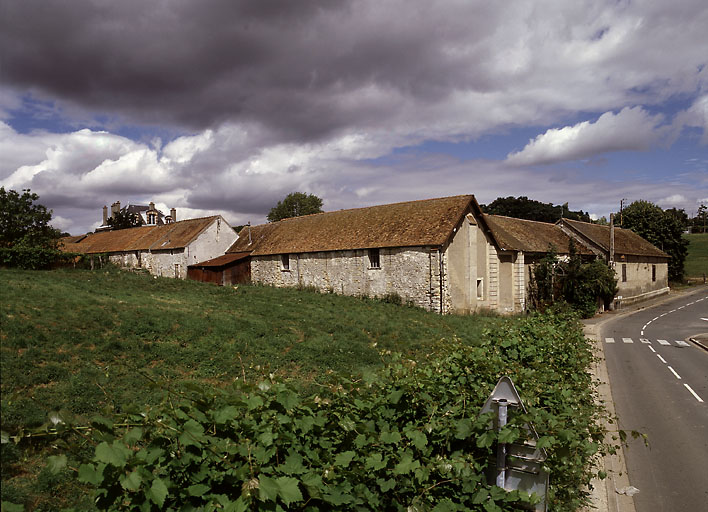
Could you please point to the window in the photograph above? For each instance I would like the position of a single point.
(152, 218)
(374, 258)
(624, 272)
(285, 262)
(653, 272)
(480, 288)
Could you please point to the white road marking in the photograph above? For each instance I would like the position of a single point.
(693, 393)
(663, 342)
(661, 358)
(609, 340)
(675, 374)
(627, 340)
(682, 343)
(652, 349)
(645, 341)
(642, 333)
(706, 319)
(655, 319)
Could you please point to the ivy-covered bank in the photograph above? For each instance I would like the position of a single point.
(408, 437)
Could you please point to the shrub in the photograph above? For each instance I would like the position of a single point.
(408, 436)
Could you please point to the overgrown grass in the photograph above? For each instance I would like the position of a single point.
(697, 257)
(92, 342)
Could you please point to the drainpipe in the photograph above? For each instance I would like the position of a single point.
(612, 239)
(440, 261)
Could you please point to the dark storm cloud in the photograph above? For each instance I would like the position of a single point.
(292, 66)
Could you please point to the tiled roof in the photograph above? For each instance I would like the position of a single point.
(220, 261)
(529, 235)
(168, 236)
(626, 241)
(415, 223)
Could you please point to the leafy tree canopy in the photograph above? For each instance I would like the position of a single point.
(25, 223)
(530, 209)
(295, 204)
(662, 228)
(125, 220)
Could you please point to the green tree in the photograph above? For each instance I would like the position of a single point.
(698, 223)
(25, 223)
(530, 209)
(295, 204)
(663, 229)
(125, 220)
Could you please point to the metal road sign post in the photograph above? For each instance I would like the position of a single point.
(518, 466)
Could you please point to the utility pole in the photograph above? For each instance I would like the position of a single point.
(622, 201)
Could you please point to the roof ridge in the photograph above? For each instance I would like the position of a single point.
(517, 218)
(369, 207)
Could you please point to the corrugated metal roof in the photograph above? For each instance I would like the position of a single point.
(168, 236)
(626, 241)
(427, 222)
(529, 235)
(220, 261)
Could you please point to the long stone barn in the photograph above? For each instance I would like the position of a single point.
(442, 254)
(163, 250)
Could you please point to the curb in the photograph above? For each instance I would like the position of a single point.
(604, 494)
(699, 343)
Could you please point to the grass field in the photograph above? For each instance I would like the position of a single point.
(86, 342)
(697, 258)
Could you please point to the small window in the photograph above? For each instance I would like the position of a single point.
(653, 272)
(152, 218)
(480, 288)
(285, 261)
(374, 258)
(624, 272)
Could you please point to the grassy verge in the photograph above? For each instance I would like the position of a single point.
(697, 257)
(89, 342)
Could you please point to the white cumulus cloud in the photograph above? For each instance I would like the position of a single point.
(630, 129)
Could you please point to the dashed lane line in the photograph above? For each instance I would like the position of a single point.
(627, 340)
(674, 372)
(661, 358)
(695, 395)
(663, 342)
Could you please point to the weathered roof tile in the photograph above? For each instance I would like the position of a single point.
(427, 222)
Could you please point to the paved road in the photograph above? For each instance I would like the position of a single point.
(660, 387)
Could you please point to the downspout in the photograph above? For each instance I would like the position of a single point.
(612, 239)
(440, 262)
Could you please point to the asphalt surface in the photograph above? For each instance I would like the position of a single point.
(659, 382)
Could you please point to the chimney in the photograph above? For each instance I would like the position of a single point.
(105, 215)
(115, 208)
(612, 238)
(152, 205)
(173, 214)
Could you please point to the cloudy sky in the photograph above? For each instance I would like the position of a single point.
(225, 106)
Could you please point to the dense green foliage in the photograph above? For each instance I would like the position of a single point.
(530, 209)
(87, 342)
(583, 285)
(663, 229)
(25, 223)
(230, 429)
(697, 255)
(125, 220)
(406, 437)
(699, 223)
(295, 204)
(35, 258)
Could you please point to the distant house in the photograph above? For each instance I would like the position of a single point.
(442, 254)
(150, 215)
(641, 269)
(164, 250)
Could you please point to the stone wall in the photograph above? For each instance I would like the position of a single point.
(639, 282)
(212, 242)
(411, 272)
